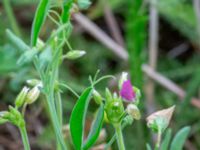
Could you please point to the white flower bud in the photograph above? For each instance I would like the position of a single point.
(74, 54)
(21, 97)
(133, 111)
(97, 97)
(123, 78)
(34, 82)
(32, 95)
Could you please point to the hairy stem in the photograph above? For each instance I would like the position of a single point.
(24, 135)
(158, 140)
(120, 140)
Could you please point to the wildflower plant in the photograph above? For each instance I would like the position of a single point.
(119, 108)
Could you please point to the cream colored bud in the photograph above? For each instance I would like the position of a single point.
(133, 111)
(74, 54)
(165, 114)
(21, 97)
(123, 78)
(34, 82)
(97, 97)
(32, 95)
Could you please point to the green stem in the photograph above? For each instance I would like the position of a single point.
(112, 140)
(59, 108)
(24, 135)
(120, 140)
(11, 17)
(158, 140)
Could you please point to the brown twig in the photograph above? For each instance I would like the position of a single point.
(96, 32)
(153, 52)
(112, 24)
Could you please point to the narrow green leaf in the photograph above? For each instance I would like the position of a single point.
(77, 119)
(148, 146)
(16, 41)
(38, 21)
(66, 10)
(95, 129)
(166, 140)
(179, 139)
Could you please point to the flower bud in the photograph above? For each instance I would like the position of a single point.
(133, 111)
(2, 120)
(97, 97)
(108, 95)
(32, 95)
(34, 82)
(160, 119)
(74, 54)
(127, 93)
(21, 97)
(114, 111)
(124, 77)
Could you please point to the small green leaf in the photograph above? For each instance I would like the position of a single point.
(77, 119)
(95, 129)
(38, 21)
(148, 146)
(166, 140)
(66, 10)
(179, 139)
(18, 43)
(27, 56)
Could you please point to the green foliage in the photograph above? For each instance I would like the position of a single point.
(77, 119)
(136, 39)
(95, 129)
(181, 15)
(179, 139)
(166, 140)
(38, 21)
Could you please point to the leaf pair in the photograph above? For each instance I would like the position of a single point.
(77, 122)
(177, 142)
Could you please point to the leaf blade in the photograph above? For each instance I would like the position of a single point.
(166, 140)
(77, 119)
(38, 21)
(95, 129)
(179, 139)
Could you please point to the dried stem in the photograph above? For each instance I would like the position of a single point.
(101, 36)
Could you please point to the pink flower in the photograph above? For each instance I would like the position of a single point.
(127, 92)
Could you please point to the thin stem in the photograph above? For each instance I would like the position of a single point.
(120, 140)
(11, 17)
(24, 135)
(59, 107)
(158, 140)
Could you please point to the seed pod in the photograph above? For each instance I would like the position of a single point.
(133, 111)
(32, 95)
(114, 111)
(97, 97)
(108, 95)
(74, 54)
(160, 119)
(21, 97)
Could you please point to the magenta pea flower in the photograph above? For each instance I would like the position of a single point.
(127, 91)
